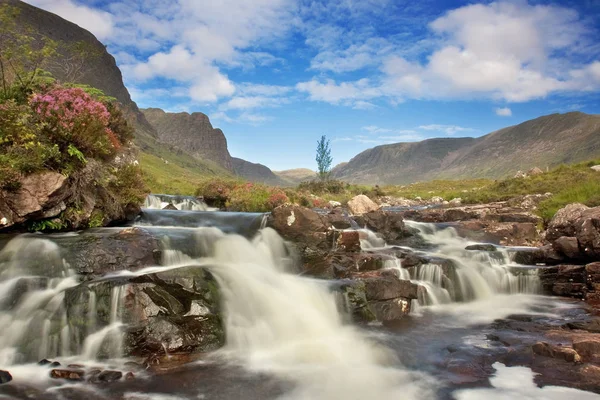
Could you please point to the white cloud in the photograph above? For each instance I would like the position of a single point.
(503, 112)
(250, 102)
(263, 90)
(331, 92)
(98, 22)
(447, 129)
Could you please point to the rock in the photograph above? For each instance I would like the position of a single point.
(541, 255)
(595, 168)
(593, 268)
(44, 362)
(297, 223)
(520, 174)
(589, 326)
(338, 220)
(457, 201)
(356, 301)
(390, 225)
(482, 247)
(334, 204)
(54, 364)
(564, 353)
(563, 222)
(129, 376)
(390, 310)
(5, 377)
(68, 374)
(567, 246)
(388, 287)
(361, 204)
(170, 206)
(107, 376)
(349, 241)
(436, 200)
(534, 171)
(588, 348)
(588, 233)
(371, 262)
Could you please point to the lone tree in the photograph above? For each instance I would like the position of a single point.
(323, 158)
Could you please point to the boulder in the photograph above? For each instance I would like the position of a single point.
(567, 246)
(106, 376)
(170, 206)
(595, 167)
(297, 223)
(482, 247)
(68, 374)
(388, 287)
(436, 200)
(349, 241)
(564, 353)
(535, 171)
(588, 233)
(390, 310)
(390, 225)
(361, 204)
(564, 221)
(5, 377)
(588, 348)
(457, 201)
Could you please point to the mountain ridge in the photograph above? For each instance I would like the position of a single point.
(546, 141)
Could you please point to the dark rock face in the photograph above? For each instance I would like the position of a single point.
(192, 133)
(577, 281)
(68, 374)
(563, 353)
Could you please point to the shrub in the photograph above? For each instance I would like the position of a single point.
(216, 192)
(69, 116)
(252, 197)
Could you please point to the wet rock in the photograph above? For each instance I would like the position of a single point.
(588, 348)
(355, 299)
(592, 326)
(388, 287)
(361, 204)
(349, 241)
(567, 246)
(569, 289)
(298, 224)
(44, 362)
(107, 376)
(75, 366)
(129, 376)
(170, 206)
(389, 225)
(68, 374)
(54, 364)
(390, 310)
(339, 220)
(371, 262)
(563, 222)
(481, 247)
(5, 377)
(541, 255)
(564, 353)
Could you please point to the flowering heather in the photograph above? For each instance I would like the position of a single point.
(73, 116)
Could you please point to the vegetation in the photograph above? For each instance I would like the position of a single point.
(323, 158)
(72, 129)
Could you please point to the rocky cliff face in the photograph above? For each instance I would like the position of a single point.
(192, 133)
(543, 142)
(98, 70)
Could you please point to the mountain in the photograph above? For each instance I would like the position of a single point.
(170, 143)
(191, 132)
(96, 67)
(295, 176)
(256, 172)
(542, 142)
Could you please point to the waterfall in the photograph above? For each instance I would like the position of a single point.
(464, 275)
(44, 313)
(182, 203)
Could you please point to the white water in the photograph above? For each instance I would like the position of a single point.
(182, 203)
(291, 326)
(470, 275)
(34, 316)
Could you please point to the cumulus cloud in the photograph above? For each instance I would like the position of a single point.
(503, 112)
(447, 129)
(98, 22)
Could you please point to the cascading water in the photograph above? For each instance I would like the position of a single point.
(41, 307)
(465, 275)
(182, 203)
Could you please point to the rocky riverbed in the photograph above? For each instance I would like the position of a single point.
(159, 294)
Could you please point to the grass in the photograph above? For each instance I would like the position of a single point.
(447, 189)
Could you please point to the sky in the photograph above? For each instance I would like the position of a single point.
(275, 75)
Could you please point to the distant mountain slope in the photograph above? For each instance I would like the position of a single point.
(295, 176)
(543, 142)
(192, 133)
(99, 71)
(256, 172)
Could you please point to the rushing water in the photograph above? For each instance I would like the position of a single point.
(277, 323)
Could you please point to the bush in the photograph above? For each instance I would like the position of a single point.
(216, 192)
(323, 186)
(251, 197)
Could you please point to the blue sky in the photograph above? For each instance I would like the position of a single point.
(275, 75)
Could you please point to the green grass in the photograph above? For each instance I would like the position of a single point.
(447, 189)
(586, 192)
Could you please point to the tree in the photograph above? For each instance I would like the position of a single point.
(323, 158)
